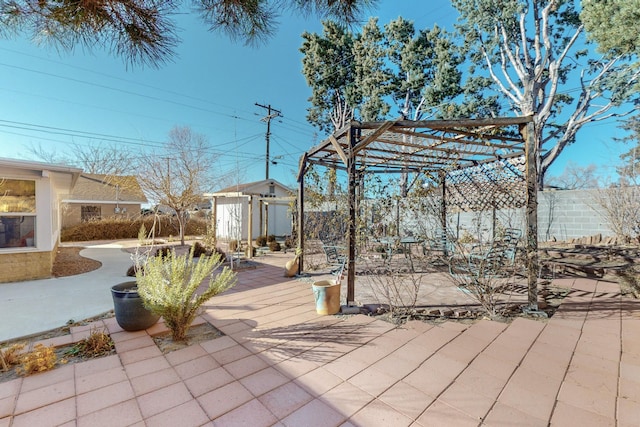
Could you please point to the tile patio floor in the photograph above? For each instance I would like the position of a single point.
(281, 364)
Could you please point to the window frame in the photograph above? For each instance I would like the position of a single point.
(27, 238)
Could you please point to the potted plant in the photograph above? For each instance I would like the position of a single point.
(129, 308)
(168, 287)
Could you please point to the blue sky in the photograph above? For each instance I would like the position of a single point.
(212, 86)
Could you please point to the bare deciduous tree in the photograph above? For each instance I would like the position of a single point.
(536, 56)
(95, 157)
(178, 177)
(576, 177)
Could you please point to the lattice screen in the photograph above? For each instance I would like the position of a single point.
(500, 185)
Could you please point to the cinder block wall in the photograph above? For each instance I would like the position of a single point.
(562, 215)
(570, 214)
(22, 266)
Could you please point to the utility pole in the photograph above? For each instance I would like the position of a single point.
(272, 113)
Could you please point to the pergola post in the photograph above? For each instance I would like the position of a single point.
(351, 237)
(301, 172)
(250, 228)
(260, 219)
(214, 217)
(443, 209)
(531, 158)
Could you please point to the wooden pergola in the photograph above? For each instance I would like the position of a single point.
(431, 147)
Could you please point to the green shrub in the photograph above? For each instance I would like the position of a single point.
(168, 288)
(163, 251)
(274, 246)
(271, 238)
(261, 241)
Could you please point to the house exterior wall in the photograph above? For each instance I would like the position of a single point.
(72, 212)
(19, 266)
(34, 259)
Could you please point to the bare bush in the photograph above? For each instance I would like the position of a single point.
(399, 289)
(486, 273)
(621, 209)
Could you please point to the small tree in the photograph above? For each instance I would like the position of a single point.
(178, 177)
(168, 287)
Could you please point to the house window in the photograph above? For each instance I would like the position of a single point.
(89, 213)
(17, 213)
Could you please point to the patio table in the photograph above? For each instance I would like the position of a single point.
(405, 242)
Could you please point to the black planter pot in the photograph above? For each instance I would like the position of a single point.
(130, 312)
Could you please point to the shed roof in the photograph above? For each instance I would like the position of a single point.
(248, 188)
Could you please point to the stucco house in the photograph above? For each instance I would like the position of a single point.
(97, 196)
(30, 197)
(254, 208)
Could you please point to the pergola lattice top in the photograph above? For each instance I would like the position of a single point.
(496, 185)
(421, 146)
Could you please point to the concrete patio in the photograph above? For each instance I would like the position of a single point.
(281, 364)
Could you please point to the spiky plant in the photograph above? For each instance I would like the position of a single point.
(169, 287)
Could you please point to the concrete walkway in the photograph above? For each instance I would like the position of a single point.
(280, 364)
(35, 306)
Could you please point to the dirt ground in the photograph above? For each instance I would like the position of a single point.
(69, 262)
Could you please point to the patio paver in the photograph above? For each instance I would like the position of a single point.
(281, 364)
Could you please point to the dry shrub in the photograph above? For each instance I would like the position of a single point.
(199, 250)
(630, 280)
(40, 359)
(397, 288)
(98, 343)
(116, 228)
(274, 246)
(220, 252)
(131, 271)
(10, 356)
